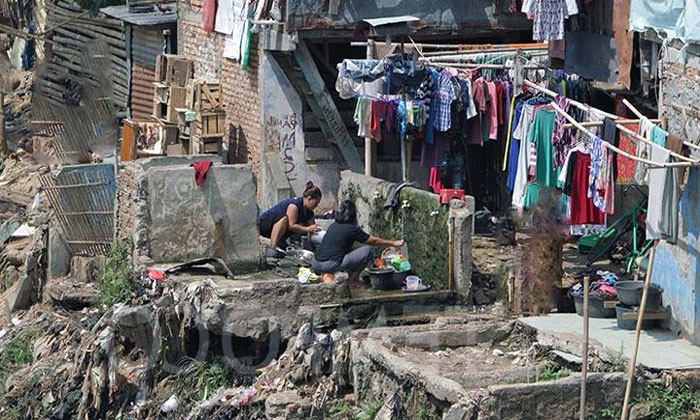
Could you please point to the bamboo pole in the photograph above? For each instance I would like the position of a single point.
(637, 137)
(608, 145)
(576, 124)
(639, 115)
(584, 351)
(640, 318)
(476, 66)
(577, 104)
(600, 123)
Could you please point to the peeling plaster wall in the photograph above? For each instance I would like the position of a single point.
(677, 266)
(283, 135)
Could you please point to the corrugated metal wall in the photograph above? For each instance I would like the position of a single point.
(146, 43)
(88, 51)
(82, 199)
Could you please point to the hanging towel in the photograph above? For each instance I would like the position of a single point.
(200, 171)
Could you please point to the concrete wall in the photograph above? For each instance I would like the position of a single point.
(424, 226)
(177, 221)
(677, 266)
(283, 129)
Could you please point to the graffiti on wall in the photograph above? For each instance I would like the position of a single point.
(281, 137)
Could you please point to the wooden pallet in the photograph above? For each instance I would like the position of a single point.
(205, 145)
(174, 70)
(209, 124)
(203, 95)
(166, 100)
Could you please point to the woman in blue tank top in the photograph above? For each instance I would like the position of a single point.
(293, 215)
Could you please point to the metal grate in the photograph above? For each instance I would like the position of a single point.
(82, 198)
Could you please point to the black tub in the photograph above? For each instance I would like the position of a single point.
(630, 293)
(382, 279)
(596, 308)
(631, 324)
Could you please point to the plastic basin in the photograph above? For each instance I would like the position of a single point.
(596, 308)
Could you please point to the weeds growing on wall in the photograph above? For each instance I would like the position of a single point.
(552, 373)
(425, 229)
(678, 401)
(17, 353)
(115, 284)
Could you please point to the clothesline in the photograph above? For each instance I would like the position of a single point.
(526, 47)
(476, 66)
(584, 130)
(470, 56)
(577, 104)
(599, 123)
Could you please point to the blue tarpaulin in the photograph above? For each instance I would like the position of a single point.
(677, 18)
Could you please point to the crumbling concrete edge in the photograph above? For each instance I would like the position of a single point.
(141, 253)
(462, 220)
(371, 352)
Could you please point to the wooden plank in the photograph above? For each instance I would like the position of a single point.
(608, 304)
(647, 316)
(128, 146)
(325, 110)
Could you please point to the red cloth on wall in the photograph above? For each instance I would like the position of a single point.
(583, 211)
(200, 171)
(208, 15)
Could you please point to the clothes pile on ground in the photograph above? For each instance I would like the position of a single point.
(602, 286)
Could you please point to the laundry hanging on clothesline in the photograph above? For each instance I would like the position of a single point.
(657, 159)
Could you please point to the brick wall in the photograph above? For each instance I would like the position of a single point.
(677, 266)
(241, 94)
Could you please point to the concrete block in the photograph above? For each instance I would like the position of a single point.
(166, 161)
(21, 295)
(462, 216)
(318, 154)
(87, 269)
(287, 405)
(59, 255)
(184, 221)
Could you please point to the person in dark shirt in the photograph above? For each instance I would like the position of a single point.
(334, 253)
(293, 215)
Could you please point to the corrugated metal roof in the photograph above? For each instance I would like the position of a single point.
(146, 44)
(160, 14)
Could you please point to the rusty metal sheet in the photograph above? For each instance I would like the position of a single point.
(146, 44)
(82, 198)
(142, 91)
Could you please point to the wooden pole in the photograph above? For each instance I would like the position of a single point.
(4, 148)
(584, 351)
(450, 251)
(368, 141)
(640, 319)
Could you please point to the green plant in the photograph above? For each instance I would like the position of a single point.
(17, 353)
(670, 403)
(605, 414)
(341, 410)
(115, 283)
(618, 362)
(369, 411)
(552, 373)
(198, 379)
